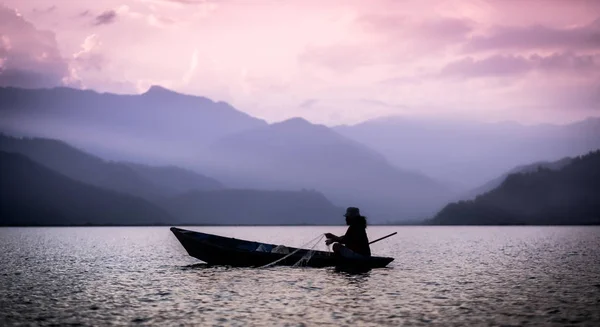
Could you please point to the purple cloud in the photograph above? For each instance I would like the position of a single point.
(441, 30)
(504, 65)
(106, 17)
(28, 57)
(497, 65)
(190, 2)
(405, 39)
(308, 103)
(449, 29)
(581, 64)
(538, 37)
(45, 10)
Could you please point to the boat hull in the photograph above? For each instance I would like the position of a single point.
(219, 250)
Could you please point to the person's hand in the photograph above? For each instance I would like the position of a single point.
(329, 235)
(328, 241)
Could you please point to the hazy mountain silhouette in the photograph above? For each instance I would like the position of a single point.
(32, 194)
(252, 207)
(297, 154)
(570, 195)
(159, 126)
(380, 165)
(174, 180)
(494, 183)
(139, 180)
(468, 154)
(187, 196)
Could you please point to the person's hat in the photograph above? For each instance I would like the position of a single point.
(352, 212)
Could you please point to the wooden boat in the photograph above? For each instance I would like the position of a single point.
(219, 250)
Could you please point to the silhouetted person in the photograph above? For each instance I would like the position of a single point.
(354, 244)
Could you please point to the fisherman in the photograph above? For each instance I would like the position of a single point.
(354, 244)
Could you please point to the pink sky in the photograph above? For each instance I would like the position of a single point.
(331, 62)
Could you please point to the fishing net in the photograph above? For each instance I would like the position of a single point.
(308, 255)
(305, 258)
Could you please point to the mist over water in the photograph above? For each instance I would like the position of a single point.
(443, 276)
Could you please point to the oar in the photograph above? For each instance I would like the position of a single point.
(381, 238)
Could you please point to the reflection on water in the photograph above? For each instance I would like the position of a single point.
(441, 276)
(201, 265)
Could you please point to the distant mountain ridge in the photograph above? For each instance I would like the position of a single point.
(51, 187)
(556, 165)
(174, 180)
(297, 154)
(159, 125)
(565, 196)
(33, 195)
(163, 127)
(254, 207)
(144, 181)
(395, 169)
(468, 154)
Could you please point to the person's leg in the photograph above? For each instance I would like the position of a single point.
(345, 252)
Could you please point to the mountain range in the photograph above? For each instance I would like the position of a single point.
(564, 193)
(144, 181)
(49, 182)
(296, 154)
(255, 207)
(468, 154)
(496, 182)
(158, 126)
(162, 145)
(164, 127)
(32, 195)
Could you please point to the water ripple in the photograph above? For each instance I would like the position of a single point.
(446, 276)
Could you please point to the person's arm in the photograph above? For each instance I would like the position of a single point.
(334, 238)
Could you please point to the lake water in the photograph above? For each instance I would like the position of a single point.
(446, 276)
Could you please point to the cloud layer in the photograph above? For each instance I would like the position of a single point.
(331, 62)
(28, 57)
(584, 37)
(106, 17)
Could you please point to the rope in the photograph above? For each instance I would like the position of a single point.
(308, 254)
(295, 251)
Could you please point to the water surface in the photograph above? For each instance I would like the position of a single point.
(441, 276)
